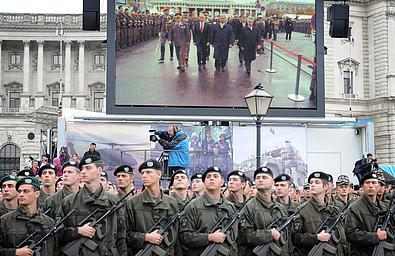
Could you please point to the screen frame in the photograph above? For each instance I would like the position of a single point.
(113, 108)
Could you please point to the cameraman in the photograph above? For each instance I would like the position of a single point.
(178, 147)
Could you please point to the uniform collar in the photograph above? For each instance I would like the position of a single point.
(267, 205)
(320, 207)
(97, 198)
(232, 198)
(210, 202)
(21, 214)
(373, 208)
(159, 204)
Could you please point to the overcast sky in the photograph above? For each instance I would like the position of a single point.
(46, 6)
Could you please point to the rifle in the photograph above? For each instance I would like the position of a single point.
(328, 225)
(73, 248)
(28, 238)
(154, 249)
(223, 224)
(383, 222)
(280, 224)
(36, 245)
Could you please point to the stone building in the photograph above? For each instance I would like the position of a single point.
(360, 76)
(30, 65)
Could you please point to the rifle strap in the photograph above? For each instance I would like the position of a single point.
(388, 246)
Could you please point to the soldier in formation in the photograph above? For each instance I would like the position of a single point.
(134, 27)
(186, 224)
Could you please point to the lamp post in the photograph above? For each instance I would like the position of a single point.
(59, 34)
(258, 102)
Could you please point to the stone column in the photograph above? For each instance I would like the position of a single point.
(391, 53)
(81, 67)
(26, 66)
(67, 68)
(81, 77)
(1, 69)
(26, 76)
(40, 67)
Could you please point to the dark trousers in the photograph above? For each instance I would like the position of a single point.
(247, 65)
(288, 35)
(220, 64)
(241, 54)
(163, 49)
(201, 53)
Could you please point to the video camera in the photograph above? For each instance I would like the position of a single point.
(161, 134)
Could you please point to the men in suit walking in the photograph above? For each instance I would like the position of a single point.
(249, 41)
(180, 36)
(222, 38)
(238, 30)
(201, 32)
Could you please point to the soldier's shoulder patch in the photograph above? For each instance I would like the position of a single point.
(184, 222)
(297, 226)
(243, 223)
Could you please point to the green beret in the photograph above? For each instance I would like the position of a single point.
(8, 178)
(28, 180)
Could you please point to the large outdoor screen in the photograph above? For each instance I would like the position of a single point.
(188, 57)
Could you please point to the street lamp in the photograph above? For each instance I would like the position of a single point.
(258, 102)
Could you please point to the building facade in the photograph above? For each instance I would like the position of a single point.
(360, 73)
(30, 72)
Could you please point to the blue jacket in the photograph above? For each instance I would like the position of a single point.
(178, 149)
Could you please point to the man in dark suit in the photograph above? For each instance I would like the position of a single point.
(222, 38)
(238, 28)
(201, 32)
(249, 41)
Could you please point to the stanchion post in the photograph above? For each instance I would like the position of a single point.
(296, 97)
(271, 70)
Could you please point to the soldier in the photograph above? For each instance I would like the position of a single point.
(71, 181)
(15, 226)
(9, 193)
(222, 38)
(90, 197)
(104, 180)
(197, 184)
(259, 213)
(180, 36)
(124, 35)
(361, 220)
(118, 30)
(202, 214)
(342, 189)
(129, 34)
(236, 184)
(186, 19)
(164, 27)
(25, 173)
(146, 208)
(306, 192)
(283, 186)
(125, 179)
(313, 215)
(47, 174)
(180, 182)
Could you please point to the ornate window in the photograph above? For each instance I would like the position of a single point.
(10, 156)
(15, 61)
(348, 70)
(99, 60)
(53, 93)
(13, 92)
(97, 96)
(56, 58)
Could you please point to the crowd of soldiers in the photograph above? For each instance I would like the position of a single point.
(134, 27)
(198, 216)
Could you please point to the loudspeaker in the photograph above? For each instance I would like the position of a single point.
(338, 15)
(91, 15)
